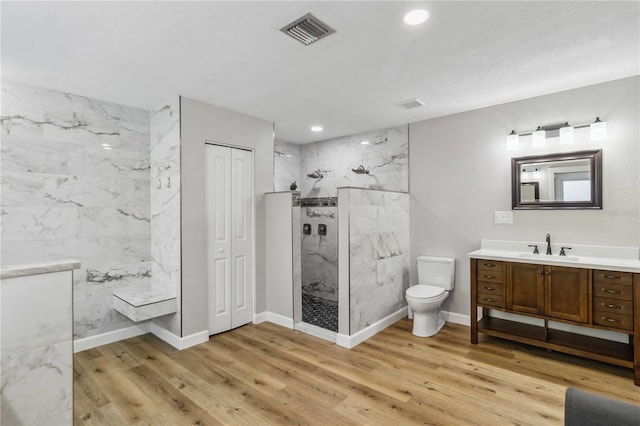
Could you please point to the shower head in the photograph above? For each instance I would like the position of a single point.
(360, 170)
(316, 174)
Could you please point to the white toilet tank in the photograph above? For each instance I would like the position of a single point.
(436, 271)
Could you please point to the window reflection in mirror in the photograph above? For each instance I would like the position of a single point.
(556, 181)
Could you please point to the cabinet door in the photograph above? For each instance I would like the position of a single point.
(566, 293)
(525, 288)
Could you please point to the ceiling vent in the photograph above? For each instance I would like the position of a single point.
(410, 103)
(308, 29)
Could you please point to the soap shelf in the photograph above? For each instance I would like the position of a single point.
(143, 303)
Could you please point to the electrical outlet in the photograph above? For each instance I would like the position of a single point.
(503, 217)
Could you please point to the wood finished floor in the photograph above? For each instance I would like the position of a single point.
(266, 374)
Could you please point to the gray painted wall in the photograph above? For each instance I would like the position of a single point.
(200, 122)
(460, 174)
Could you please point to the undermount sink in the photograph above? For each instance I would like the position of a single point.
(549, 257)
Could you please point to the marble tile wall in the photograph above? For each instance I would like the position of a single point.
(386, 157)
(75, 184)
(320, 253)
(286, 170)
(36, 349)
(165, 206)
(378, 255)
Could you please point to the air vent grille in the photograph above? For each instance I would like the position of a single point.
(308, 29)
(410, 103)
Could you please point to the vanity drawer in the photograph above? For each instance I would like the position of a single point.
(609, 319)
(490, 265)
(612, 277)
(490, 276)
(489, 288)
(494, 300)
(616, 306)
(613, 291)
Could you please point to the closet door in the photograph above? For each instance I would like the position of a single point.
(229, 237)
(242, 237)
(218, 237)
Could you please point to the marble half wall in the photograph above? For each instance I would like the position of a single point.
(75, 185)
(165, 207)
(386, 157)
(378, 254)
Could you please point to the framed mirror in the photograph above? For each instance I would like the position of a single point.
(571, 180)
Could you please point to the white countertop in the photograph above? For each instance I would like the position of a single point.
(623, 259)
(14, 271)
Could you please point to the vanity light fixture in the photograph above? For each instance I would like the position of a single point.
(598, 130)
(513, 141)
(316, 128)
(564, 131)
(538, 138)
(566, 134)
(416, 17)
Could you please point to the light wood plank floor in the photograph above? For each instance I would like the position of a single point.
(266, 374)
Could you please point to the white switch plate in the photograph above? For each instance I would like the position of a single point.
(503, 217)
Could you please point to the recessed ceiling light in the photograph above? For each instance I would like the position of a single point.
(416, 17)
(316, 128)
(365, 143)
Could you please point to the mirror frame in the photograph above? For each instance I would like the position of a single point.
(595, 162)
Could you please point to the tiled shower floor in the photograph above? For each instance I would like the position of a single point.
(320, 312)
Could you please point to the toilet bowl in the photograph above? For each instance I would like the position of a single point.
(425, 302)
(435, 277)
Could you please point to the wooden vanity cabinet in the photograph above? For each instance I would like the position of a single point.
(566, 293)
(525, 288)
(607, 300)
(553, 291)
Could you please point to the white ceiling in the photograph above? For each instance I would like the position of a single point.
(231, 54)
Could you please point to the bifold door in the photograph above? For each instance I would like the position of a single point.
(229, 237)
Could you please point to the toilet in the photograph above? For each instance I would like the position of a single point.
(435, 280)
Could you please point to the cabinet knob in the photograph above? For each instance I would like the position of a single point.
(489, 288)
(490, 276)
(610, 319)
(488, 299)
(608, 290)
(489, 265)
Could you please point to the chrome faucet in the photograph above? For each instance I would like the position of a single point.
(549, 244)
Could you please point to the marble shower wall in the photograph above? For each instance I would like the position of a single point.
(286, 167)
(320, 253)
(386, 157)
(378, 254)
(75, 184)
(165, 207)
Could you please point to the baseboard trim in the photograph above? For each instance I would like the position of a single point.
(279, 319)
(456, 318)
(177, 341)
(362, 335)
(91, 342)
(258, 318)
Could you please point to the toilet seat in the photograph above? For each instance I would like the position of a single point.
(425, 292)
